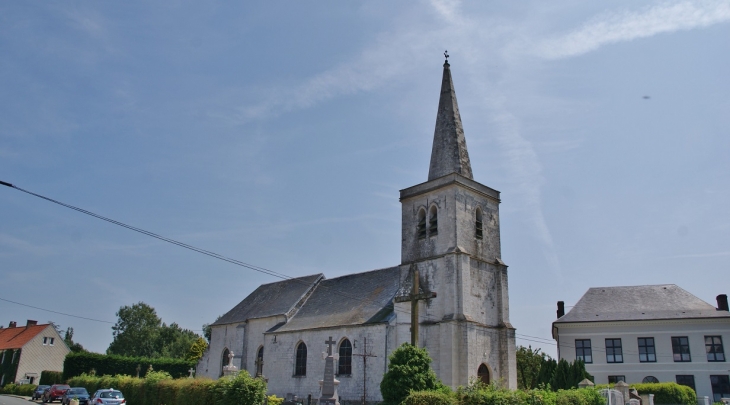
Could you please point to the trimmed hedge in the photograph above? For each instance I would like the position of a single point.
(25, 390)
(51, 377)
(159, 388)
(83, 362)
(429, 398)
(493, 395)
(668, 393)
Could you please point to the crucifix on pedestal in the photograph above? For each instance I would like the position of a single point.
(414, 297)
(259, 367)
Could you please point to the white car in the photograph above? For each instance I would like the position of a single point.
(108, 396)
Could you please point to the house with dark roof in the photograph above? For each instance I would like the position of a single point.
(648, 333)
(27, 350)
(449, 295)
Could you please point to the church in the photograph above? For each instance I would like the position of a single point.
(449, 293)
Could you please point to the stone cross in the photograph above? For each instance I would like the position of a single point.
(329, 344)
(259, 366)
(191, 371)
(414, 297)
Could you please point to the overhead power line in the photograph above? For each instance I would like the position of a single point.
(187, 246)
(55, 312)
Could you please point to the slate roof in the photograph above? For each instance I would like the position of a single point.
(666, 301)
(270, 299)
(353, 299)
(449, 153)
(16, 338)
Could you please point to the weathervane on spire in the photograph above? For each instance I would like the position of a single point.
(446, 55)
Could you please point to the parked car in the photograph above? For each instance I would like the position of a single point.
(79, 393)
(107, 397)
(55, 392)
(38, 393)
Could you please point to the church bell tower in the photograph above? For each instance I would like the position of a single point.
(451, 240)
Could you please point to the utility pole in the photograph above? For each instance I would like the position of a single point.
(365, 354)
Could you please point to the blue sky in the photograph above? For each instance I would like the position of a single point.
(279, 134)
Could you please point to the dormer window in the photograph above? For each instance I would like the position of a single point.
(421, 227)
(479, 225)
(433, 226)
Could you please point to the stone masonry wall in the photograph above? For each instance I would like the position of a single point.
(279, 362)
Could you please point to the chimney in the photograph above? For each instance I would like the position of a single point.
(722, 302)
(31, 323)
(12, 324)
(561, 309)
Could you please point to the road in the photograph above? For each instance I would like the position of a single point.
(7, 400)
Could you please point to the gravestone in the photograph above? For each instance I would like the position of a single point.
(329, 383)
(613, 397)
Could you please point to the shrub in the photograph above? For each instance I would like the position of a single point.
(274, 400)
(668, 393)
(480, 394)
(159, 388)
(239, 390)
(25, 390)
(409, 369)
(429, 398)
(583, 396)
(493, 395)
(51, 377)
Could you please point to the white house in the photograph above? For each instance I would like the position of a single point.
(27, 350)
(651, 333)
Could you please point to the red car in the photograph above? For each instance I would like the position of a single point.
(55, 392)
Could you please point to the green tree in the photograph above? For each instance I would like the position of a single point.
(529, 363)
(197, 349)
(207, 330)
(562, 377)
(136, 331)
(578, 373)
(174, 342)
(69, 339)
(409, 368)
(547, 369)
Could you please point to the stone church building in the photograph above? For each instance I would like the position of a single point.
(450, 241)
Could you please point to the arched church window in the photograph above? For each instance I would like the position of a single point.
(433, 226)
(260, 362)
(300, 368)
(479, 225)
(344, 364)
(224, 359)
(421, 227)
(650, 379)
(483, 373)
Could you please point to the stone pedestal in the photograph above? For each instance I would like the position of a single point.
(623, 388)
(585, 383)
(329, 384)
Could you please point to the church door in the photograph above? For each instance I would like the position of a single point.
(483, 374)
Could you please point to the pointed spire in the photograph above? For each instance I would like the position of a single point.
(449, 154)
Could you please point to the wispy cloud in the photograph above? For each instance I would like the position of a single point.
(21, 246)
(613, 27)
(371, 69)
